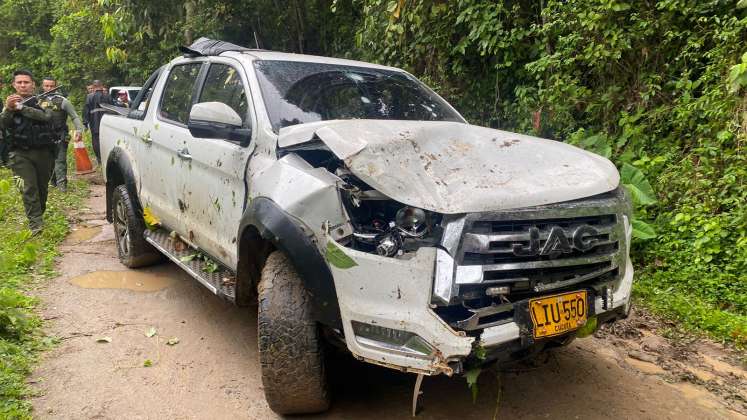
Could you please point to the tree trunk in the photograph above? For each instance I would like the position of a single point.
(189, 10)
(299, 25)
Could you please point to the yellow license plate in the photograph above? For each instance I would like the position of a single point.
(558, 314)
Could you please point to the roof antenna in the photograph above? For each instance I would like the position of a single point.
(256, 41)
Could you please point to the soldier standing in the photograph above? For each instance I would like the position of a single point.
(61, 108)
(31, 143)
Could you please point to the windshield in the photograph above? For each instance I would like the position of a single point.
(299, 92)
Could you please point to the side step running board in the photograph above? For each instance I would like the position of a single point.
(222, 282)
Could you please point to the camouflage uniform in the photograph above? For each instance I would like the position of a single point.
(61, 108)
(31, 142)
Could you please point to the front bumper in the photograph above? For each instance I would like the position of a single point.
(396, 293)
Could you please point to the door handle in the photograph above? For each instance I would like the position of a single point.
(184, 154)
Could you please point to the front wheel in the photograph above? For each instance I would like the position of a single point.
(290, 346)
(133, 250)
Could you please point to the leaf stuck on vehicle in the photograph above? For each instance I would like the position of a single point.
(151, 221)
(337, 258)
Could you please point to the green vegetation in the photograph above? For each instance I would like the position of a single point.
(23, 261)
(659, 87)
(124, 41)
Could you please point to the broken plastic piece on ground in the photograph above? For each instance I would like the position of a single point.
(416, 393)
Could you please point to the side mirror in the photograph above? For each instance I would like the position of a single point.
(216, 120)
(216, 113)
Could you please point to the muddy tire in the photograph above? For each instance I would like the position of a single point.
(133, 250)
(290, 345)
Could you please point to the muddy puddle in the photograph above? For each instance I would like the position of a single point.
(83, 233)
(130, 280)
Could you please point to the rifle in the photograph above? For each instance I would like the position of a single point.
(41, 95)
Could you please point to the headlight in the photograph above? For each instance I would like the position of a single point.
(389, 244)
(411, 221)
(388, 228)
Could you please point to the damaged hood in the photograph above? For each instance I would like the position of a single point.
(450, 167)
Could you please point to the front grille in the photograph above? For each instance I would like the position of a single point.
(490, 245)
(534, 251)
(492, 242)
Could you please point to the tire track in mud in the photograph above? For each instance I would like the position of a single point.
(213, 372)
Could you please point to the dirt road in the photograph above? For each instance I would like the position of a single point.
(103, 314)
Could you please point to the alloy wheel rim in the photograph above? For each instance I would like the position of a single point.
(121, 230)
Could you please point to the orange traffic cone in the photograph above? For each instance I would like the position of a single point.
(82, 162)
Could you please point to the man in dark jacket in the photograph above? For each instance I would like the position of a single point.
(92, 114)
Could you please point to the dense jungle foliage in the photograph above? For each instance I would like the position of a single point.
(657, 86)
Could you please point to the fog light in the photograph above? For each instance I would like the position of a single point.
(391, 340)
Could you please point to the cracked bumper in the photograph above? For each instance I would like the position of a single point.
(395, 293)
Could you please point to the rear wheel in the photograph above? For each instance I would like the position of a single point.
(290, 346)
(133, 250)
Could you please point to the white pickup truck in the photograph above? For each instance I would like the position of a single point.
(359, 208)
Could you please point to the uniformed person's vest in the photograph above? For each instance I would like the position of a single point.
(59, 115)
(27, 133)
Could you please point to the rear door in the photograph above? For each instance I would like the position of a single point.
(164, 136)
(214, 187)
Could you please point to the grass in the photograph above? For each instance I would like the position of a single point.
(24, 261)
(691, 308)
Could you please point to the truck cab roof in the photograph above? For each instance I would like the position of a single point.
(205, 47)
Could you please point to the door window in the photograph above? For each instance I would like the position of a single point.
(177, 95)
(223, 84)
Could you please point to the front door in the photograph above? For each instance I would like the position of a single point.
(163, 138)
(213, 186)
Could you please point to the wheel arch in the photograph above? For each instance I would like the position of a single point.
(265, 227)
(118, 172)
